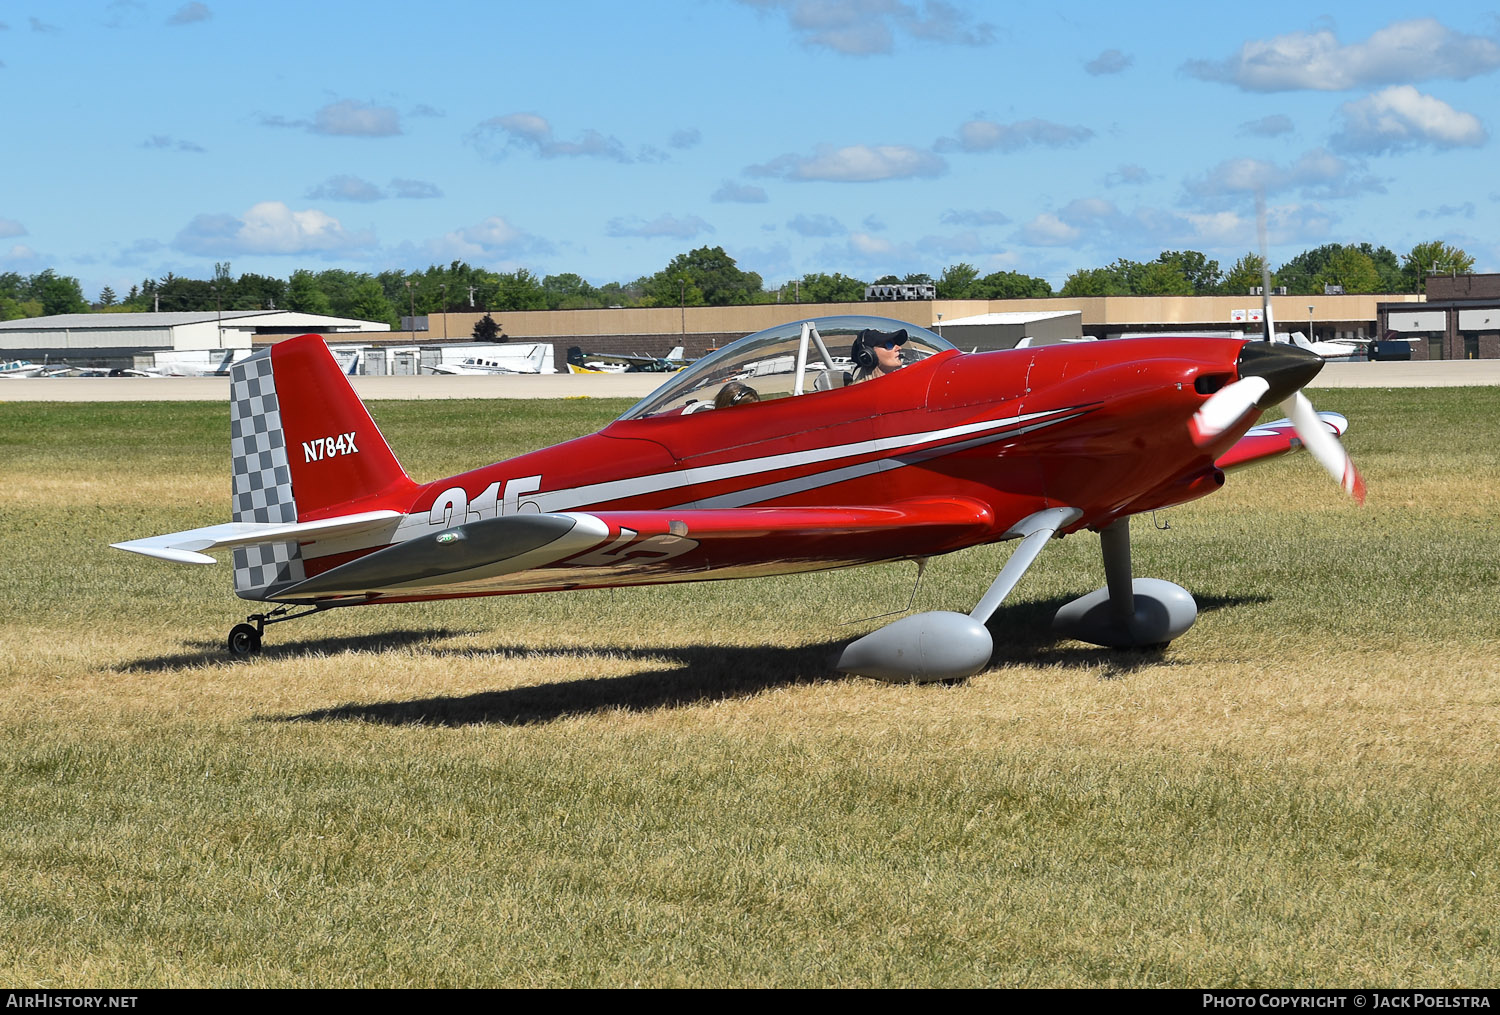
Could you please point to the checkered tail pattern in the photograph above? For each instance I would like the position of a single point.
(262, 484)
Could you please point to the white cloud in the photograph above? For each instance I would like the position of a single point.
(739, 193)
(965, 245)
(349, 118)
(870, 246)
(816, 225)
(854, 164)
(414, 189)
(345, 188)
(685, 138)
(492, 233)
(170, 143)
(493, 240)
(10, 227)
(20, 256)
(190, 13)
(1400, 118)
(988, 136)
(943, 22)
(269, 227)
(662, 225)
(137, 253)
(1126, 174)
(1316, 173)
(1268, 126)
(1111, 61)
(1465, 210)
(1048, 230)
(528, 130)
(1404, 51)
(121, 14)
(1098, 224)
(974, 217)
(277, 120)
(863, 27)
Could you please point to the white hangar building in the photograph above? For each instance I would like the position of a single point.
(1005, 329)
(122, 336)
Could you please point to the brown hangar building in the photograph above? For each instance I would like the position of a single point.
(1460, 320)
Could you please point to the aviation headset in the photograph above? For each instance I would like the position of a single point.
(863, 351)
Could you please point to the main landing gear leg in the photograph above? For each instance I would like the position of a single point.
(244, 639)
(1127, 612)
(942, 645)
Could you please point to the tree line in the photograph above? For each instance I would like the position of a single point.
(710, 277)
(1357, 268)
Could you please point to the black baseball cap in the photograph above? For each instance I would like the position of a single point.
(873, 338)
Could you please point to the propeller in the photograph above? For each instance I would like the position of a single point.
(1272, 373)
(1324, 446)
(1225, 407)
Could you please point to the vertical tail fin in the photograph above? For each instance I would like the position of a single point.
(302, 448)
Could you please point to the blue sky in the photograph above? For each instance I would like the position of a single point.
(859, 136)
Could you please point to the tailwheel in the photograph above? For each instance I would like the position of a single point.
(244, 640)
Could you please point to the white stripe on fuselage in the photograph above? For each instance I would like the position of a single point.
(572, 498)
(787, 487)
(598, 493)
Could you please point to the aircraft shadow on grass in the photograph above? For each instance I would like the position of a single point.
(699, 674)
(691, 674)
(202, 652)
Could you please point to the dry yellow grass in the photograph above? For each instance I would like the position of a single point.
(666, 786)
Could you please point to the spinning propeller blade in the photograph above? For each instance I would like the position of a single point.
(1225, 407)
(1271, 373)
(1324, 446)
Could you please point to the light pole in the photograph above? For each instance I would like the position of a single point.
(682, 305)
(940, 324)
(444, 287)
(1310, 337)
(413, 298)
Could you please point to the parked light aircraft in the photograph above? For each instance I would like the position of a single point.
(480, 366)
(1327, 350)
(580, 362)
(193, 363)
(952, 450)
(25, 368)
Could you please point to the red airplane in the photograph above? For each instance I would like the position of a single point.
(801, 466)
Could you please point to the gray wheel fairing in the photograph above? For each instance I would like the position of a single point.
(1163, 611)
(940, 645)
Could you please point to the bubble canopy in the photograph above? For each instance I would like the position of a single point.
(801, 357)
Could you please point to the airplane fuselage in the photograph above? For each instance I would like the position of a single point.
(990, 437)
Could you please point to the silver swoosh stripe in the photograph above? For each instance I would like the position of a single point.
(567, 499)
(785, 488)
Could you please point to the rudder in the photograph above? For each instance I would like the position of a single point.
(302, 447)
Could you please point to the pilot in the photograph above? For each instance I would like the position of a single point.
(877, 353)
(735, 393)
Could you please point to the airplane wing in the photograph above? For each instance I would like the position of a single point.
(586, 549)
(1271, 440)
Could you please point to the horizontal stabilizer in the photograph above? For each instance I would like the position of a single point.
(187, 547)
